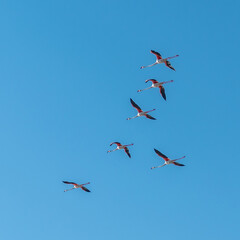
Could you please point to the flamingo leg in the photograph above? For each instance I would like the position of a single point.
(132, 117)
(68, 189)
(144, 89)
(158, 166)
(149, 65)
(112, 150)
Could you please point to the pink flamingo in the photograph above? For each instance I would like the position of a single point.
(75, 185)
(140, 112)
(156, 84)
(120, 146)
(161, 60)
(167, 160)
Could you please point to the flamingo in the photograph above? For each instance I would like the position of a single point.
(156, 84)
(120, 146)
(167, 160)
(161, 60)
(140, 112)
(75, 185)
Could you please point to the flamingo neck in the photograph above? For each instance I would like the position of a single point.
(173, 57)
(150, 111)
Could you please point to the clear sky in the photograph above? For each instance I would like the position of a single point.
(68, 70)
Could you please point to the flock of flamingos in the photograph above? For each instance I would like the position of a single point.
(141, 113)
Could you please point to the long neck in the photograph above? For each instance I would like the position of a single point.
(167, 82)
(85, 183)
(179, 158)
(150, 111)
(173, 57)
(128, 145)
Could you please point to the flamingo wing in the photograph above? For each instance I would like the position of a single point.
(117, 143)
(150, 117)
(152, 80)
(157, 54)
(178, 164)
(135, 105)
(162, 91)
(127, 151)
(168, 64)
(85, 189)
(66, 182)
(161, 155)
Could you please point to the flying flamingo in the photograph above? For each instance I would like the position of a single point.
(75, 185)
(120, 146)
(140, 112)
(156, 84)
(161, 60)
(167, 160)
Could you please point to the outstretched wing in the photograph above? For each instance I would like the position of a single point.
(135, 105)
(152, 80)
(168, 64)
(158, 55)
(178, 164)
(66, 182)
(150, 117)
(162, 91)
(127, 151)
(161, 155)
(117, 143)
(85, 189)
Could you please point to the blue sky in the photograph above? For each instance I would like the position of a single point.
(68, 70)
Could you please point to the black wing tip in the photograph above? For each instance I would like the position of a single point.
(179, 164)
(127, 152)
(85, 189)
(157, 151)
(155, 52)
(131, 100)
(152, 118)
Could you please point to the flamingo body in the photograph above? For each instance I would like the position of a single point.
(160, 60)
(167, 160)
(75, 185)
(120, 146)
(156, 84)
(140, 112)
